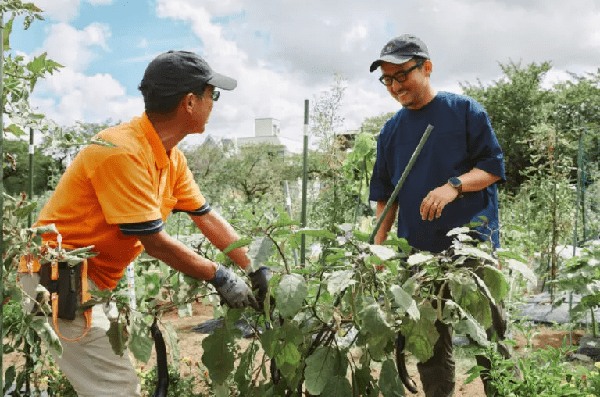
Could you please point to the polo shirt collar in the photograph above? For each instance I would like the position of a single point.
(160, 154)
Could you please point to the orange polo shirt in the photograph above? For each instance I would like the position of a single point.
(133, 181)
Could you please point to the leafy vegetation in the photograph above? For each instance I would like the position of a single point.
(333, 320)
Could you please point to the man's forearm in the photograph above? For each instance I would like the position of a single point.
(387, 223)
(476, 180)
(221, 234)
(177, 255)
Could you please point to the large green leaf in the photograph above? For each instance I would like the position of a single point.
(405, 302)
(362, 380)
(218, 356)
(419, 258)
(496, 282)
(140, 341)
(320, 367)
(320, 233)
(421, 335)
(375, 329)
(522, 268)
(288, 359)
(339, 281)
(382, 252)
(43, 327)
(473, 252)
(237, 244)
(259, 251)
(173, 341)
(243, 374)
(464, 323)
(117, 337)
(338, 385)
(290, 294)
(466, 293)
(389, 381)
(151, 284)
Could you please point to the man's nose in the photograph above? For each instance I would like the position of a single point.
(396, 85)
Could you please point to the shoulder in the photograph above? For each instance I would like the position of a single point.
(178, 159)
(391, 125)
(460, 102)
(124, 139)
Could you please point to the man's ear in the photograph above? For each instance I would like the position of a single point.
(428, 66)
(186, 101)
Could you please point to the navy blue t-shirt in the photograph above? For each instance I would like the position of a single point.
(462, 139)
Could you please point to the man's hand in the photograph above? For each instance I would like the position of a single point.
(260, 281)
(234, 291)
(435, 201)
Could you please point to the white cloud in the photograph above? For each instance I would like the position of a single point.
(283, 52)
(59, 10)
(84, 98)
(72, 48)
(65, 10)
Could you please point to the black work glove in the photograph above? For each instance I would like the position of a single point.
(234, 291)
(260, 281)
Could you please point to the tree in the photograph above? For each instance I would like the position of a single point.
(20, 77)
(16, 176)
(325, 117)
(256, 172)
(515, 103)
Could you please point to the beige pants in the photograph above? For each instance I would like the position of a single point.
(90, 364)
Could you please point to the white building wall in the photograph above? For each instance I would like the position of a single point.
(266, 127)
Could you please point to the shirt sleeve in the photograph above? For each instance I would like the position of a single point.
(124, 189)
(484, 150)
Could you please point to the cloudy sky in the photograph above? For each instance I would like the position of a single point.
(285, 51)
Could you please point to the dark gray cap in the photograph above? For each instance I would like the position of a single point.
(401, 49)
(177, 72)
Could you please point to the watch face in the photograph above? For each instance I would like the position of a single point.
(454, 181)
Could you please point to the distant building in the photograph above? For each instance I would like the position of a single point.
(267, 130)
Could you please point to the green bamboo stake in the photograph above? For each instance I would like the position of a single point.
(409, 166)
(1, 191)
(304, 185)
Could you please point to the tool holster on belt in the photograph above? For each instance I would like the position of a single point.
(68, 288)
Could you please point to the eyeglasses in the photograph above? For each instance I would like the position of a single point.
(400, 77)
(215, 95)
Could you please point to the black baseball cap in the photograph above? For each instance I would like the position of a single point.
(401, 49)
(179, 72)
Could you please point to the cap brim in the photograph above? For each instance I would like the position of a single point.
(391, 59)
(223, 82)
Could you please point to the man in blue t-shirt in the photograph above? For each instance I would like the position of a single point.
(452, 182)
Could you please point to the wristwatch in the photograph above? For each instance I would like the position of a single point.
(457, 184)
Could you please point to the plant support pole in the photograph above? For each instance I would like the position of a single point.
(304, 184)
(288, 206)
(405, 173)
(30, 187)
(1, 192)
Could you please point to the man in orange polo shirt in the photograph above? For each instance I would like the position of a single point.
(116, 196)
